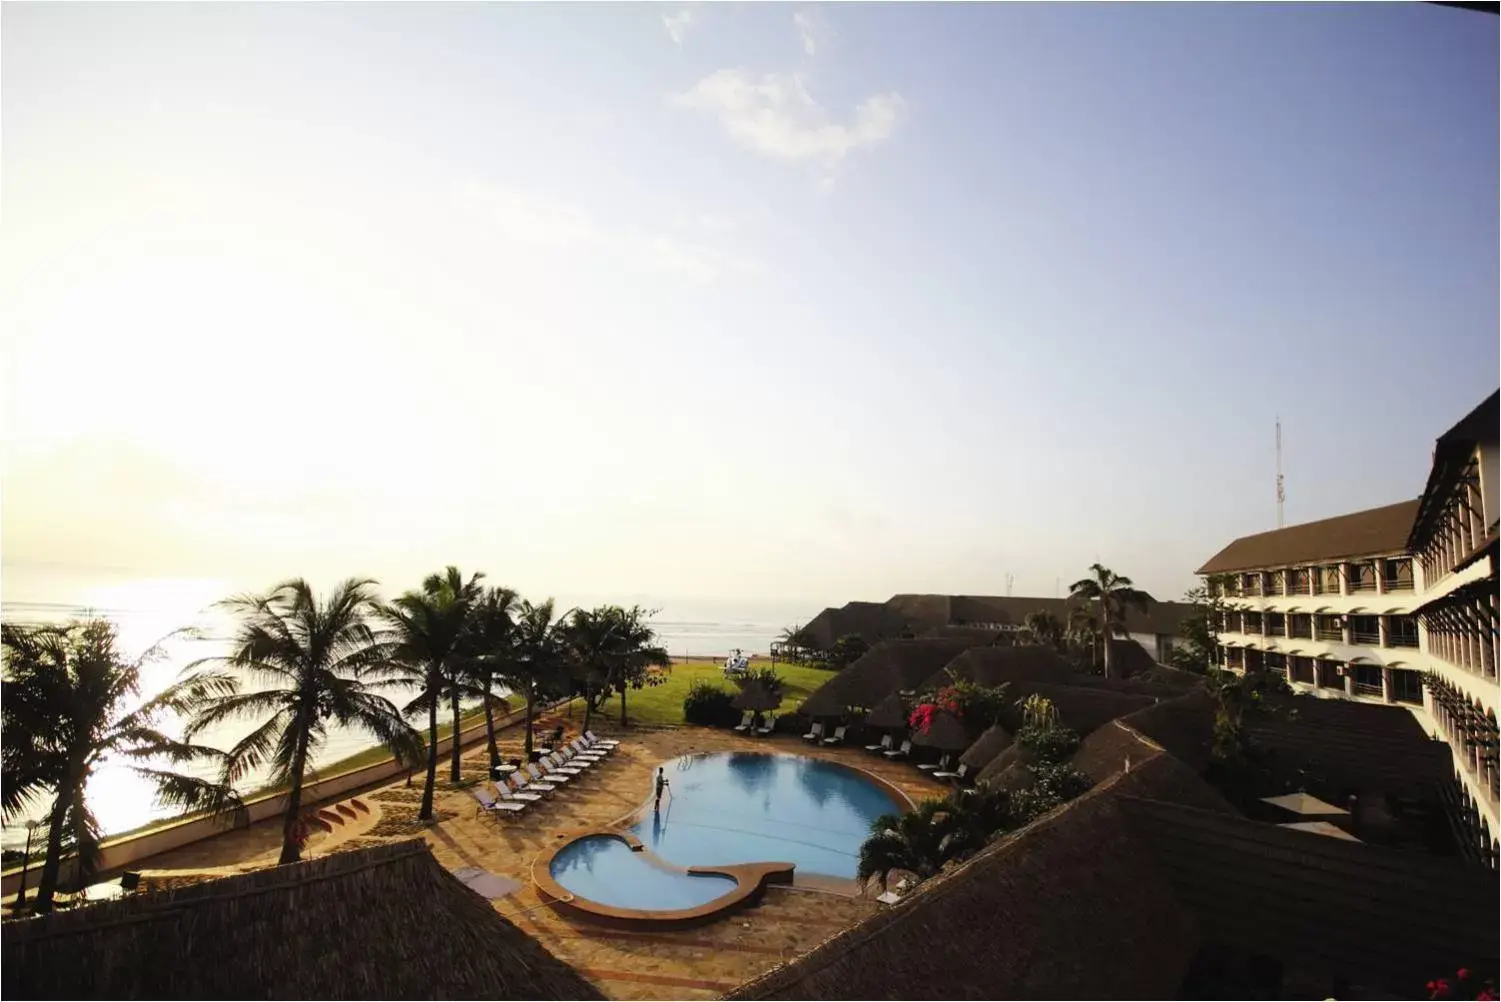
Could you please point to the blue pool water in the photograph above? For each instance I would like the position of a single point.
(602, 868)
(732, 807)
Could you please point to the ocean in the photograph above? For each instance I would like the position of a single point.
(147, 610)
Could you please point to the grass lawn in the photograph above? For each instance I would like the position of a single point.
(663, 704)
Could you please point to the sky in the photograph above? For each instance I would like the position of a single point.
(758, 303)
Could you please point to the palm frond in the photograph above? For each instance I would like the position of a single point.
(191, 795)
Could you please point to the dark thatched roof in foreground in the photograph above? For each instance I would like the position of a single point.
(991, 666)
(1152, 863)
(945, 732)
(1371, 533)
(1183, 727)
(890, 713)
(381, 923)
(890, 666)
(1059, 889)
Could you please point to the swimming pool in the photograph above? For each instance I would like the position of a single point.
(745, 807)
(606, 869)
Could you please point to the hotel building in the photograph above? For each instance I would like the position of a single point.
(1391, 605)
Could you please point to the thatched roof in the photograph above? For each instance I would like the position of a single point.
(890, 713)
(1335, 747)
(945, 732)
(1153, 865)
(755, 696)
(381, 923)
(991, 666)
(995, 740)
(975, 635)
(1183, 726)
(924, 612)
(888, 667)
(1059, 888)
(1371, 533)
(1083, 708)
(871, 621)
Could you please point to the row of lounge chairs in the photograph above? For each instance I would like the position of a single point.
(531, 784)
(747, 724)
(938, 770)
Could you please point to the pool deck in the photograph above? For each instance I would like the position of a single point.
(697, 963)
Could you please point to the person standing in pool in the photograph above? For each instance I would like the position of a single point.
(661, 785)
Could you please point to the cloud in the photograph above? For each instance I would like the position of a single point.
(776, 116)
(677, 25)
(807, 32)
(557, 225)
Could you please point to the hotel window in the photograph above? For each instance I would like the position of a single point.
(1297, 581)
(1396, 574)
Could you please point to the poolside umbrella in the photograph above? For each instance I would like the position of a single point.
(1304, 803)
(945, 732)
(984, 751)
(890, 713)
(755, 696)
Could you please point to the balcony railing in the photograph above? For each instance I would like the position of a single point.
(1334, 635)
(1276, 630)
(1402, 640)
(1363, 584)
(1396, 584)
(1304, 632)
(1367, 689)
(1365, 639)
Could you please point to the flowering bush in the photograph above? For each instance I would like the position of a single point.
(1465, 985)
(976, 706)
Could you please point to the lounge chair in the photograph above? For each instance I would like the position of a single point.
(815, 733)
(510, 789)
(595, 739)
(571, 758)
(902, 752)
(555, 763)
(524, 780)
(582, 750)
(838, 737)
(494, 806)
(746, 721)
(940, 765)
(769, 726)
(959, 775)
(554, 779)
(884, 746)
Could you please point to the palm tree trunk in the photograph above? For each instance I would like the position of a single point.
(490, 726)
(426, 813)
(291, 852)
(52, 862)
(588, 702)
(1105, 635)
(623, 688)
(529, 693)
(453, 764)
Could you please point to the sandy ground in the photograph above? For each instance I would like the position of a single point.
(690, 964)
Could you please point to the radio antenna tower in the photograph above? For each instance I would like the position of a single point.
(1281, 494)
(1010, 579)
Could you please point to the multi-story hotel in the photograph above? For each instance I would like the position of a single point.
(1391, 605)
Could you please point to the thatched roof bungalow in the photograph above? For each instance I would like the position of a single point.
(888, 667)
(991, 666)
(987, 746)
(380, 923)
(871, 621)
(1192, 901)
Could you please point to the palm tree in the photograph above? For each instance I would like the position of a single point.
(490, 647)
(540, 656)
(1045, 628)
(427, 631)
(915, 841)
(63, 713)
(635, 652)
(589, 638)
(1112, 593)
(319, 661)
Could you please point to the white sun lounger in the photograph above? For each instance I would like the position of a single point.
(583, 751)
(899, 753)
(574, 760)
(940, 765)
(508, 790)
(771, 724)
(555, 763)
(746, 721)
(555, 779)
(838, 736)
(884, 746)
(815, 733)
(595, 739)
(959, 774)
(494, 806)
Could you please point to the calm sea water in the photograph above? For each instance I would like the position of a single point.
(146, 611)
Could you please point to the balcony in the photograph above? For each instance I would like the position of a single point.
(1334, 634)
(1367, 689)
(1362, 584)
(1365, 638)
(1402, 640)
(1396, 584)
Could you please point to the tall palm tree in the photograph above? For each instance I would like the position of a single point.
(490, 648)
(635, 652)
(1045, 628)
(1112, 593)
(427, 632)
(65, 710)
(589, 638)
(541, 656)
(315, 662)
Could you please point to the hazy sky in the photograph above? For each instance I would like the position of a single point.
(764, 301)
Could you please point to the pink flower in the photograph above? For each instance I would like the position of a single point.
(1464, 974)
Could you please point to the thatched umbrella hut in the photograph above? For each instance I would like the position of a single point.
(754, 695)
(888, 667)
(945, 732)
(995, 740)
(890, 714)
(336, 927)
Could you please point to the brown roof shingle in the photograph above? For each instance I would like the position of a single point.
(888, 667)
(1370, 533)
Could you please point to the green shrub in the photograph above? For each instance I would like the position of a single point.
(710, 706)
(1052, 784)
(1049, 744)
